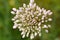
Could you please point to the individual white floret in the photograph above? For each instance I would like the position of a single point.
(23, 36)
(42, 18)
(30, 4)
(22, 33)
(24, 5)
(15, 26)
(45, 26)
(39, 14)
(44, 12)
(37, 8)
(49, 25)
(27, 33)
(14, 9)
(50, 13)
(39, 34)
(50, 19)
(46, 31)
(23, 29)
(39, 23)
(46, 20)
(42, 21)
(42, 9)
(17, 12)
(13, 19)
(31, 36)
(35, 34)
(12, 12)
(34, 5)
(16, 17)
(17, 21)
(31, 1)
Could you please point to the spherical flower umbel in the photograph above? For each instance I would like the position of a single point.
(30, 19)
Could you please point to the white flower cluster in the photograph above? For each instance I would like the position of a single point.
(30, 19)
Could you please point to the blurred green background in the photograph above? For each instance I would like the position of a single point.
(8, 33)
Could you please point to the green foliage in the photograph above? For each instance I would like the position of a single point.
(8, 33)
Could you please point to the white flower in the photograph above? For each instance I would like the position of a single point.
(30, 19)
